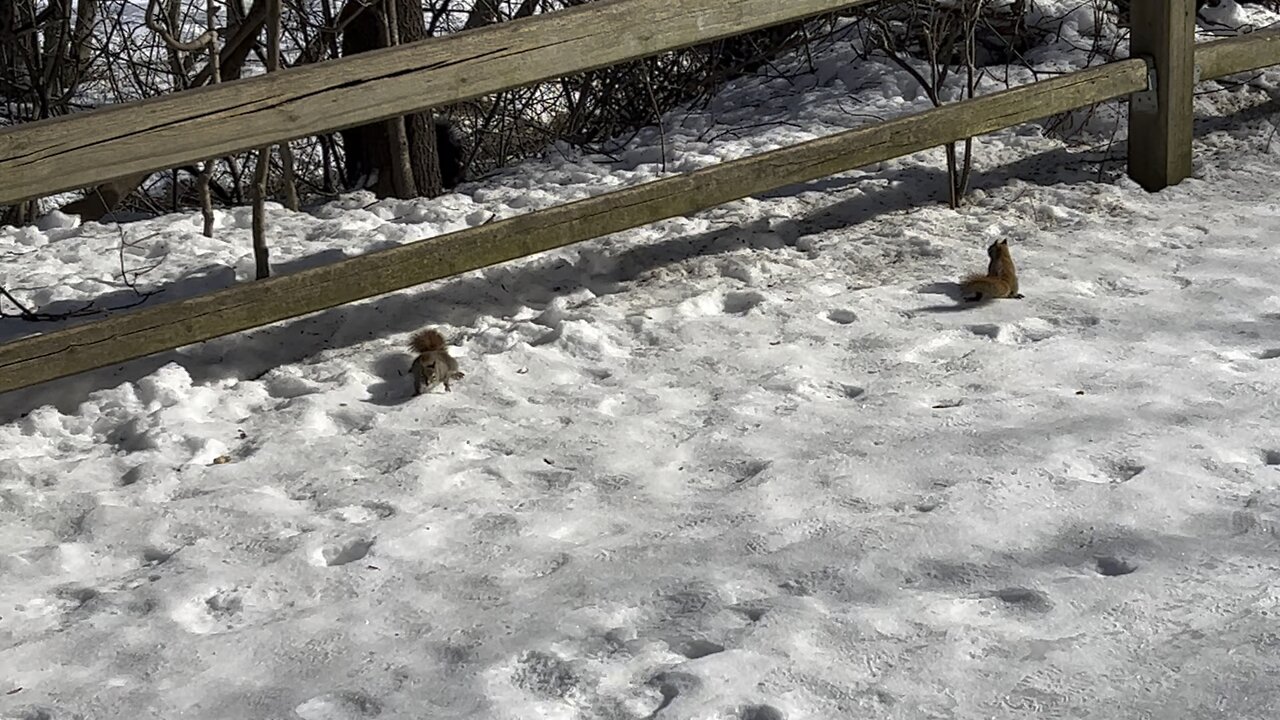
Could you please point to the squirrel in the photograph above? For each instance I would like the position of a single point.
(1001, 280)
(434, 365)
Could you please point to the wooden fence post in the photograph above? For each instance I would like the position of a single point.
(1160, 120)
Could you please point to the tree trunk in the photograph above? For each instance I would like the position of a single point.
(261, 255)
(206, 171)
(401, 166)
(83, 40)
(424, 155)
(372, 151)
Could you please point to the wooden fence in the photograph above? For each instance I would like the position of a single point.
(64, 153)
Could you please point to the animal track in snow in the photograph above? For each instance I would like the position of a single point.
(1024, 598)
(987, 330)
(751, 470)
(672, 685)
(1031, 330)
(347, 705)
(136, 473)
(1106, 471)
(738, 303)
(731, 303)
(849, 391)
(933, 573)
(224, 602)
(153, 556)
(760, 712)
(346, 552)
(1112, 566)
(1120, 472)
(222, 611)
(694, 648)
(842, 317)
(78, 596)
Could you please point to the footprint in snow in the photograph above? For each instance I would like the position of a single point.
(344, 552)
(1120, 471)
(749, 472)
(1024, 599)
(731, 303)
(1032, 331)
(851, 392)
(841, 316)
(672, 685)
(694, 648)
(739, 303)
(219, 612)
(760, 712)
(986, 330)
(345, 705)
(676, 686)
(1112, 566)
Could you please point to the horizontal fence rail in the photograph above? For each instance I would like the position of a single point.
(77, 151)
(1220, 58)
(45, 357)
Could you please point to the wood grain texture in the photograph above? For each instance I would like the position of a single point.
(66, 153)
(1160, 138)
(1220, 58)
(45, 357)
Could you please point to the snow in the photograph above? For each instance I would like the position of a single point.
(750, 464)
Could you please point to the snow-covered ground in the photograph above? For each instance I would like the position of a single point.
(749, 465)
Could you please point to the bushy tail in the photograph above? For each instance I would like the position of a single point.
(984, 287)
(426, 341)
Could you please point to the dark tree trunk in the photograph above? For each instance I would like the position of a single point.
(369, 149)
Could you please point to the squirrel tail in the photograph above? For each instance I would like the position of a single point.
(426, 341)
(984, 287)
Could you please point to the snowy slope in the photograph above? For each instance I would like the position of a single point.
(744, 465)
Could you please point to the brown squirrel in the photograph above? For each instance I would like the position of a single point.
(1001, 280)
(433, 365)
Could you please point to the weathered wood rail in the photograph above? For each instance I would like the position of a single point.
(65, 153)
(1164, 110)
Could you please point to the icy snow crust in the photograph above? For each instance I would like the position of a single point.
(733, 466)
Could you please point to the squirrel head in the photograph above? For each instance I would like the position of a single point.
(999, 248)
